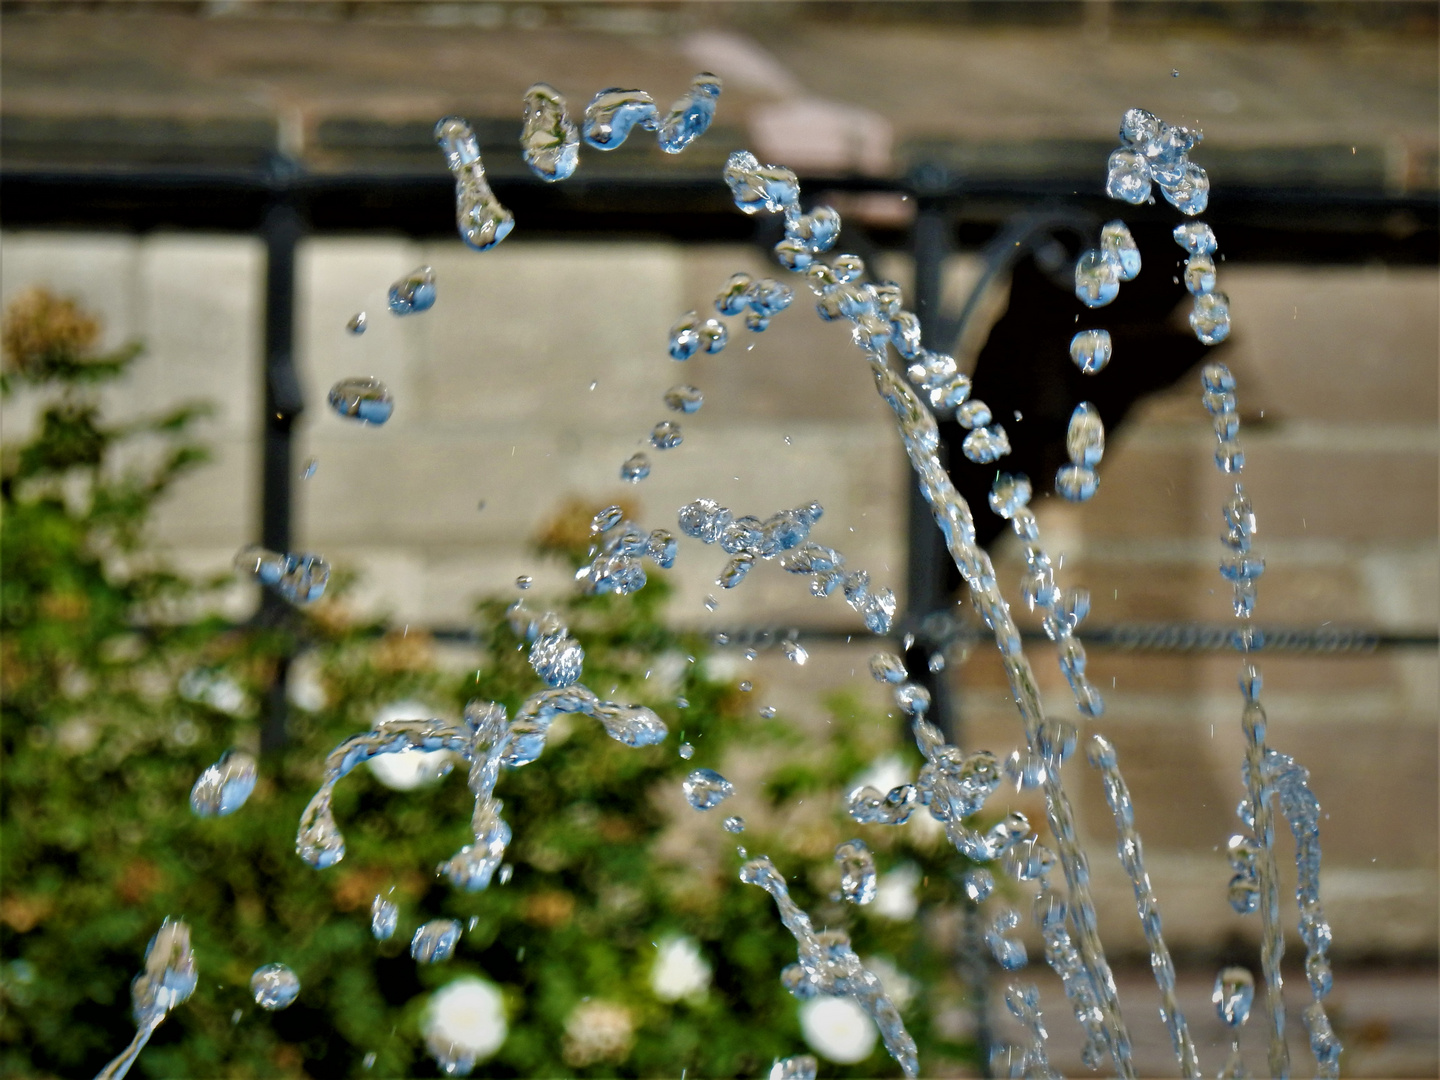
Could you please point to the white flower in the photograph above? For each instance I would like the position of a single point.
(215, 689)
(304, 689)
(680, 971)
(838, 1029)
(595, 1031)
(899, 987)
(410, 768)
(895, 893)
(464, 1022)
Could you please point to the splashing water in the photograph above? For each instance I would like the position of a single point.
(690, 116)
(365, 399)
(549, 142)
(274, 987)
(479, 218)
(828, 965)
(706, 789)
(169, 978)
(800, 1067)
(223, 787)
(857, 872)
(413, 293)
(300, 579)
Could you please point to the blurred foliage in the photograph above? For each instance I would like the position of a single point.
(116, 695)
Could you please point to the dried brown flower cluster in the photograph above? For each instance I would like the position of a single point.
(40, 327)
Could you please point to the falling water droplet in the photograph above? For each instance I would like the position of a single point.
(687, 751)
(1210, 318)
(1200, 274)
(887, 668)
(794, 652)
(479, 218)
(857, 872)
(635, 468)
(973, 414)
(685, 336)
(690, 116)
(1233, 995)
(413, 293)
(507, 871)
(524, 581)
(223, 787)
(1097, 282)
(275, 987)
(733, 824)
(684, 399)
(364, 399)
(1091, 350)
(666, 435)
(1120, 249)
(369, 1060)
(300, 579)
(384, 918)
(800, 1067)
(768, 712)
(357, 323)
(978, 884)
(1077, 483)
(1009, 494)
(435, 941)
(1195, 237)
(746, 686)
(706, 789)
(549, 142)
(986, 444)
(308, 470)
(612, 114)
(1128, 177)
(1085, 437)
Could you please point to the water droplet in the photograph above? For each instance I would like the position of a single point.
(524, 581)
(978, 884)
(1195, 237)
(1091, 350)
(300, 579)
(1200, 274)
(1009, 494)
(913, 699)
(606, 519)
(687, 751)
(768, 712)
(757, 187)
(549, 142)
(887, 668)
(635, 468)
(311, 465)
(1190, 191)
(684, 399)
(357, 323)
(666, 435)
(974, 413)
(1076, 482)
(857, 872)
(369, 1060)
(1097, 281)
(364, 399)
(800, 1067)
(223, 787)
(704, 519)
(413, 293)
(507, 871)
(986, 444)
(479, 218)
(794, 652)
(384, 918)
(1139, 127)
(706, 789)
(275, 987)
(746, 686)
(690, 116)
(557, 658)
(1210, 318)
(1120, 249)
(733, 824)
(435, 941)
(1085, 437)
(1233, 995)
(735, 570)
(733, 298)
(612, 114)
(1128, 177)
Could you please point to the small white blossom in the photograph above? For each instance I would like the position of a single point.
(895, 893)
(838, 1029)
(464, 1023)
(597, 1031)
(680, 971)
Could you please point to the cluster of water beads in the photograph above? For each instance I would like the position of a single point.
(362, 398)
(1154, 151)
(690, 334)
(274, 987)
(1085, 444)
(169, 979)
(615, 564)
(413, 293)
(479, 218)
(1064, 611)
(1101, 754)
(706, 789)
(828, 965)
(1210, 315)
(223, 787)
(300, 579)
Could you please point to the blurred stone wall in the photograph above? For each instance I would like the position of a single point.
(542, 367)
